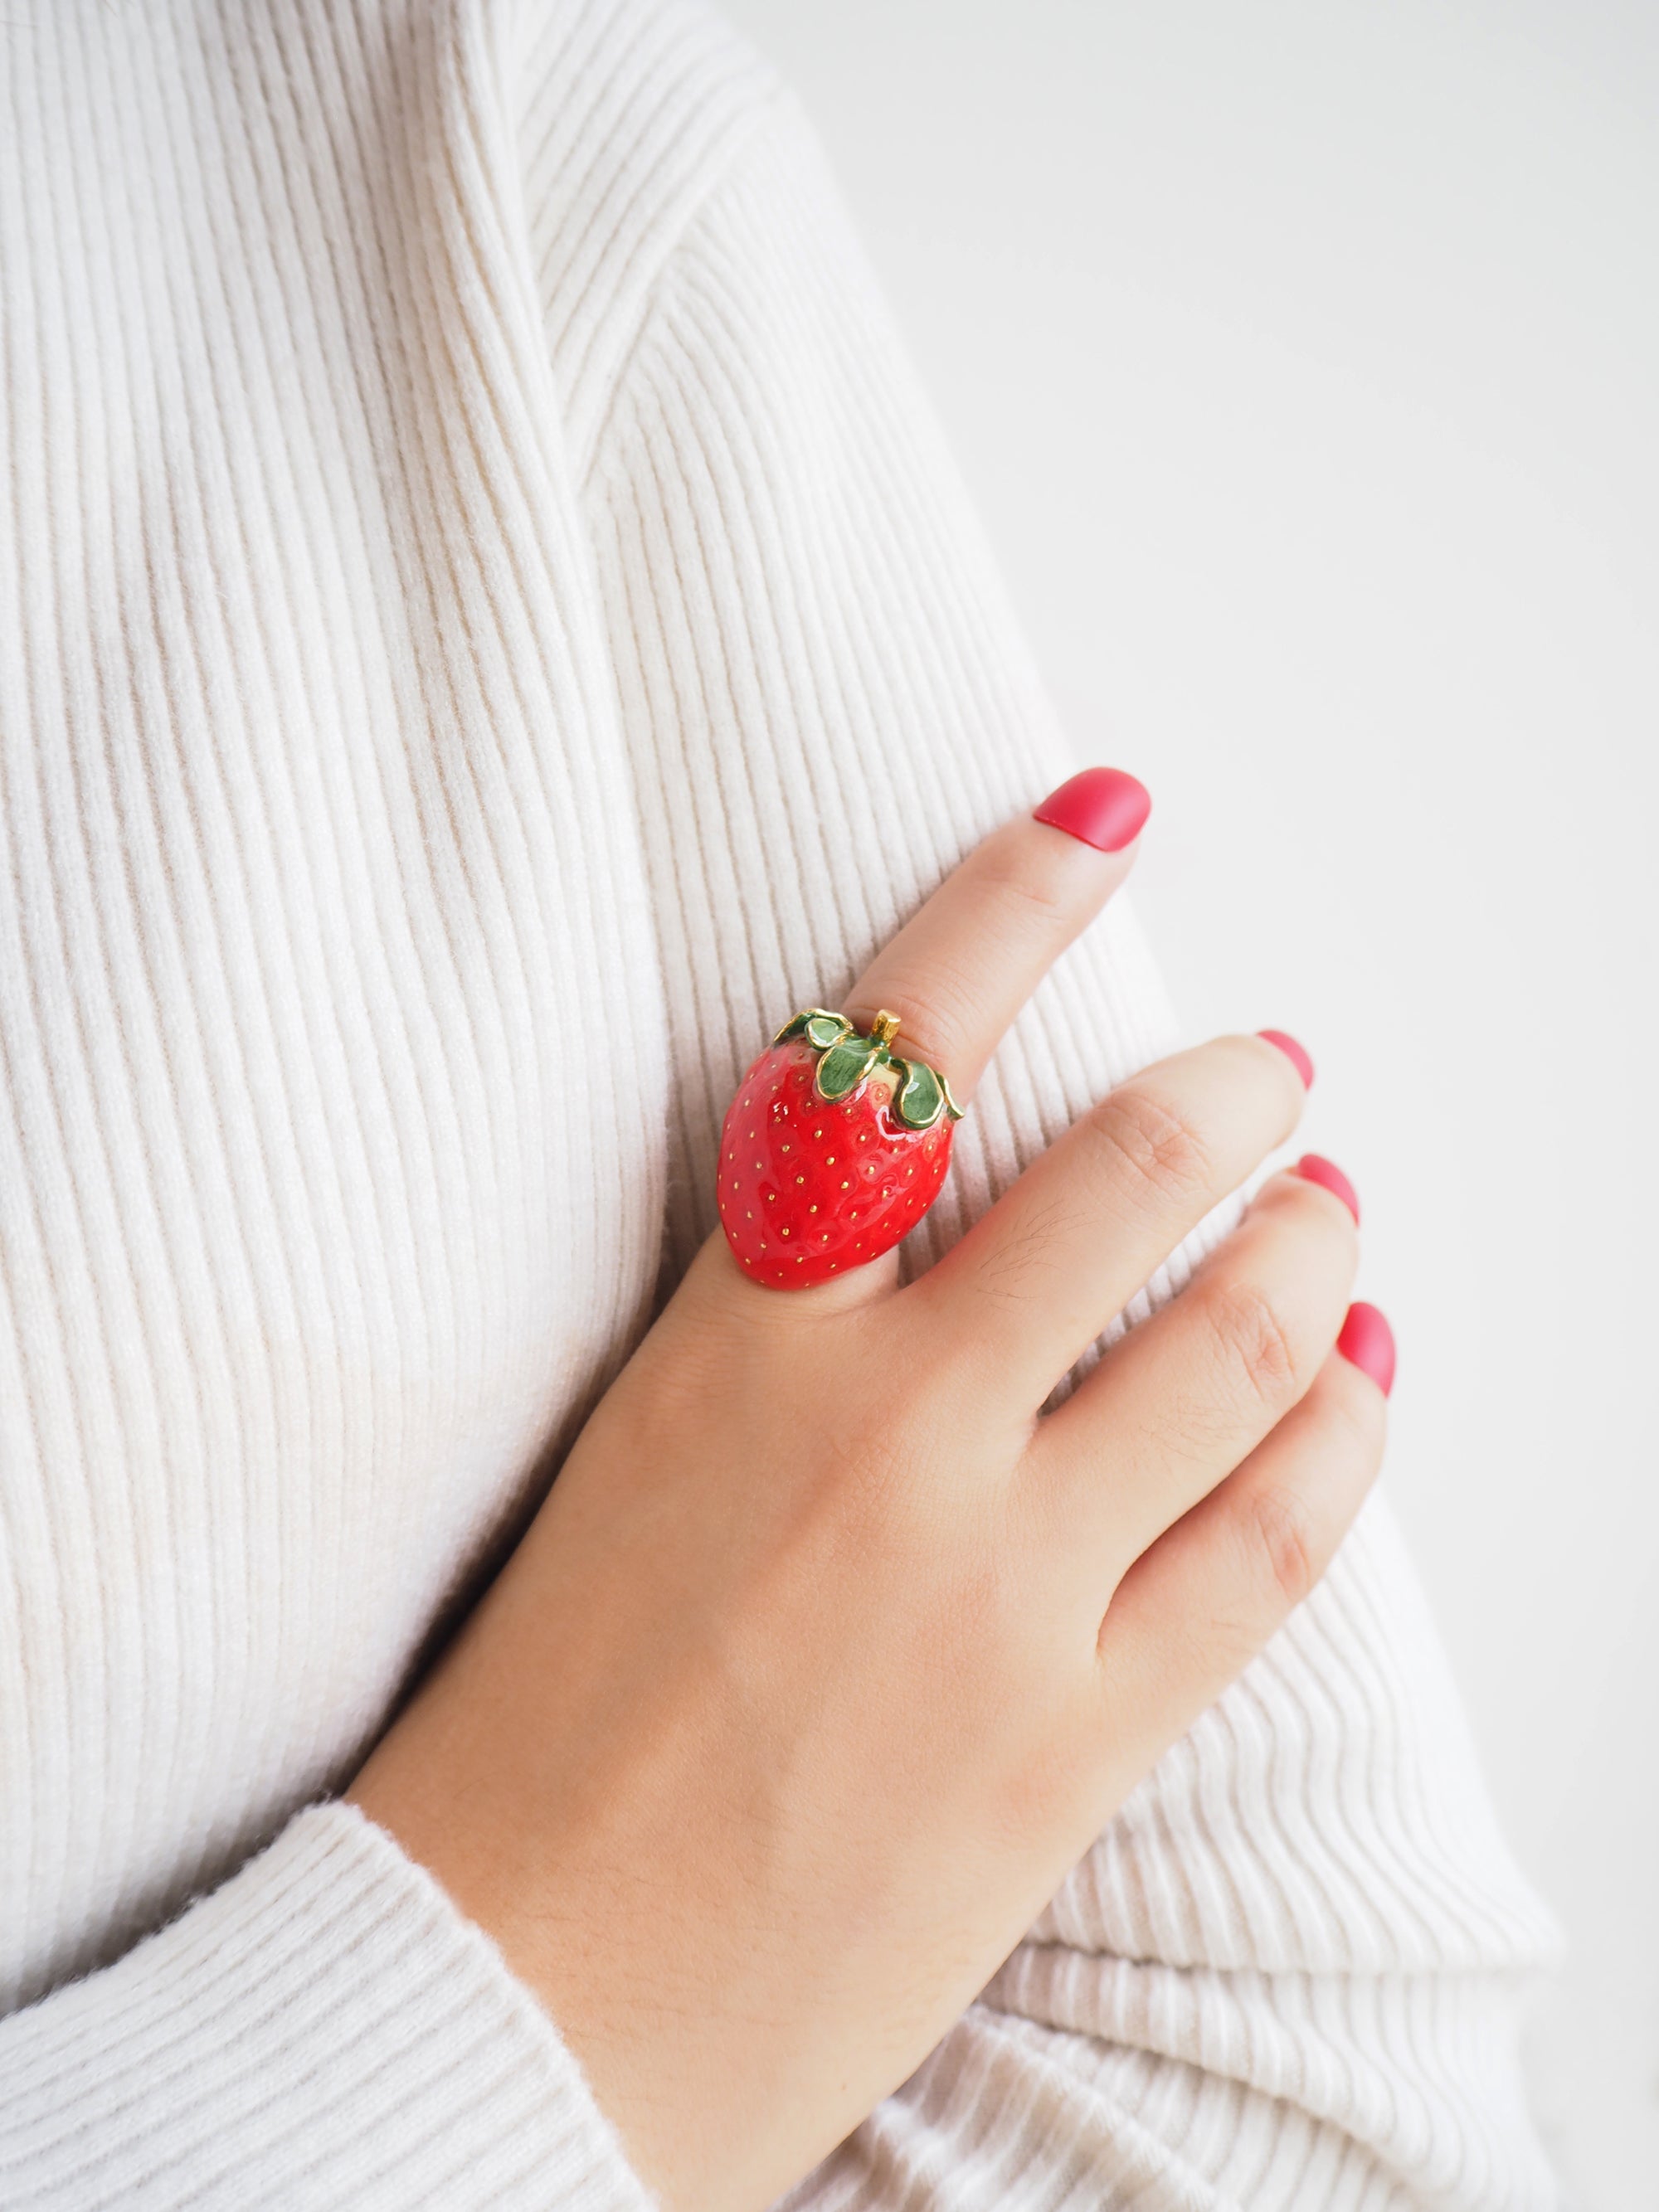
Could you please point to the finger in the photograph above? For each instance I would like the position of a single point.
(1194, 1609)
(1189, 1394)
(1038, 1276)
(964, 964)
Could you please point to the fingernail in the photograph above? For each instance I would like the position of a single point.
(1368, 1341)
(1327, 1174)
(1102, 807)
(1292, 1052)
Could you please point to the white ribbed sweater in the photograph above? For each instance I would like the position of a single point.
(486, 629)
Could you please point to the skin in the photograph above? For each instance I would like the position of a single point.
(828, 1655)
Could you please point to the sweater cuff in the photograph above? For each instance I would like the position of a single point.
(323, 2030)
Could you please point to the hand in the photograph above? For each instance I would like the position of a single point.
(828, 1655)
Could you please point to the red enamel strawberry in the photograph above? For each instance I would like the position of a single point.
(832, 1149)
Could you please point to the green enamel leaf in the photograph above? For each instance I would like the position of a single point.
(951, 1107)
(845, 1066)
(825, 1029)
(920, 1099)
(809, 1018)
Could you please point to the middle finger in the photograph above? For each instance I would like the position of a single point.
(1038, 1276)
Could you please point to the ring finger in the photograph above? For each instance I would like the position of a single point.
(1186, 1397)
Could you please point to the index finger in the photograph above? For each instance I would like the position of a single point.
(964, 964)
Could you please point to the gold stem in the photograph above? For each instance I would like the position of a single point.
(884, 1028)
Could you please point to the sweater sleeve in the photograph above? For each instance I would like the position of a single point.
(1291, 1971)
(323, 2030)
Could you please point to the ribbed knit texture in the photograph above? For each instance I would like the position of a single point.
(322, 2030)
(487, 628)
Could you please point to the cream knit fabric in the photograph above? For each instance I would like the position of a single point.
(486, 628)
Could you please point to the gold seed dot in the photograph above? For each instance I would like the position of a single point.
(811, 1209)
(783, 1232)
(800, 1178)
(829, 1159)
(845, 1184)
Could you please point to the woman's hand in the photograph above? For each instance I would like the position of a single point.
(827, 1655)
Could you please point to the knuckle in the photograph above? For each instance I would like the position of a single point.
(1278, 1531)
(939, 1030)
(1158, 1145)
(1256, 1348)
(1019, 1270)
(1026, 895)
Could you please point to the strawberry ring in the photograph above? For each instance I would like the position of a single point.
(832, 1149)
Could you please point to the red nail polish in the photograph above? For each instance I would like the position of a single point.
(1102, 807)
(1368, 1341)
(1327, 1174)
(1292, 1052)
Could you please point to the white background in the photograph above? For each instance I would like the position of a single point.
(1304, 357)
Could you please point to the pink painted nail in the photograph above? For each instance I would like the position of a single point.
(1102, 807)
(1292, 1052)
(1327, 1174)
(1368, 1341)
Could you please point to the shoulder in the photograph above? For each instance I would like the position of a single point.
(629, 113)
